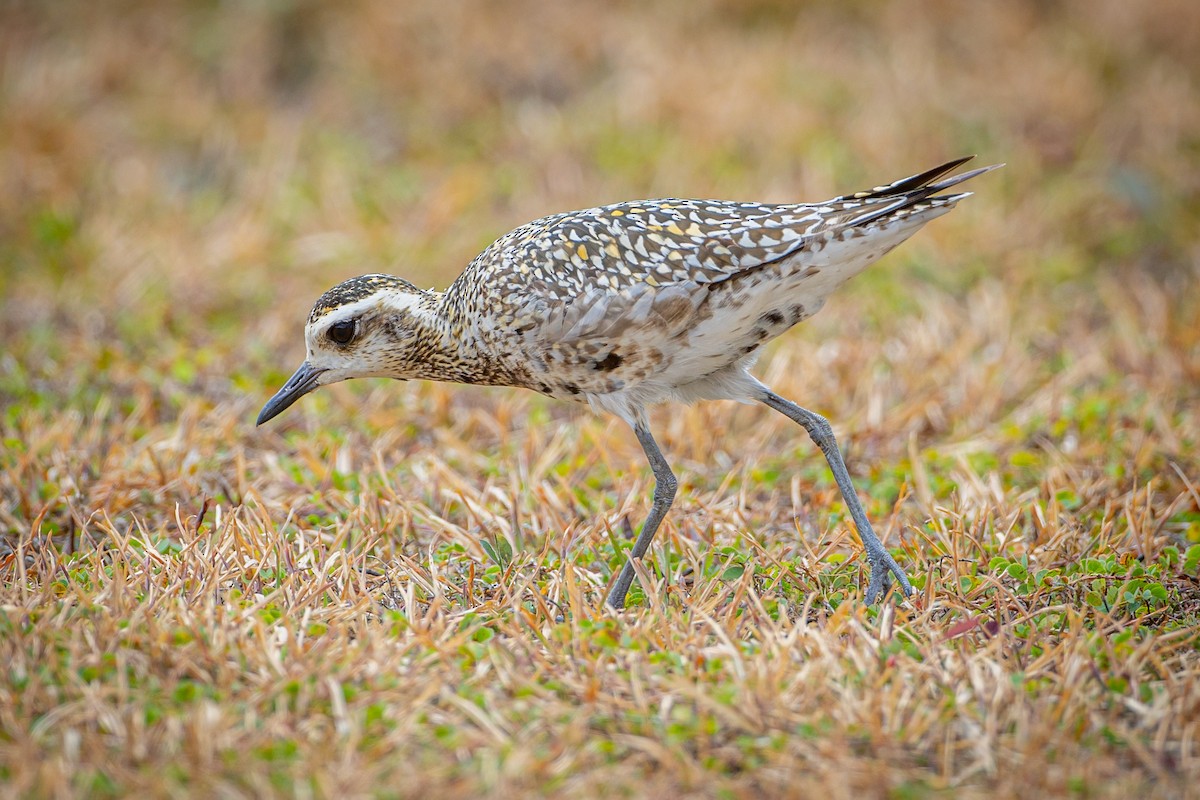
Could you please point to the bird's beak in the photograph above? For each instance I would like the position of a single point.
(303, 381)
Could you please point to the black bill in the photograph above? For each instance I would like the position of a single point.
(303, 381)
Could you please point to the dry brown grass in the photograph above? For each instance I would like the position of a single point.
(398, 590)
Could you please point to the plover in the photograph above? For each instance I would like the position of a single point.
(628, 305)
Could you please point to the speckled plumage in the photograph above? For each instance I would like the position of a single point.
(627, 305)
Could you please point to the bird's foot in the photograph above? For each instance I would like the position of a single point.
(883, 567)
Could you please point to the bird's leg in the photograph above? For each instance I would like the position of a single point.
(883, 566)
(664, 494)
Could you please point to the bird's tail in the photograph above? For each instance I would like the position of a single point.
(907, 193)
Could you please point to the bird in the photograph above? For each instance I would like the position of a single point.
(629, 305)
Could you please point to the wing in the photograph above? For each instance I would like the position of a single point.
(603, 274)
(657, 243)
(672, 241)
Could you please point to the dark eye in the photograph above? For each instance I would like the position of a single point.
(341, 332)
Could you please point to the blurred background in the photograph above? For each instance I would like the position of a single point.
(180, 180)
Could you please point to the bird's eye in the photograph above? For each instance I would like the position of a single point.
(341, 332)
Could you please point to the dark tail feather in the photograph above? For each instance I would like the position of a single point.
(911, 183)
(922, 189)
(957, 179)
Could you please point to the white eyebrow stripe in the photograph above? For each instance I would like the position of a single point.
(390, 299)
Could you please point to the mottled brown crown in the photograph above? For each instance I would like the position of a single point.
(356, 289)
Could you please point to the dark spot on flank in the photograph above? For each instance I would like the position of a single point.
(674, 309)
(609, 363)
(798, 313)
(543, 388)
(748, 349)
(572, 388)
(772, 318)
(760, 334)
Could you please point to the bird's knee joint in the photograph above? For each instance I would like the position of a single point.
(820, 429)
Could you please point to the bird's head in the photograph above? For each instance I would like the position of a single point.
(361, 328)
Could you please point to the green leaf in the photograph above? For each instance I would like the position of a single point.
(733, 573)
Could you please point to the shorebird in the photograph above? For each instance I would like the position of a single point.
(628, 305)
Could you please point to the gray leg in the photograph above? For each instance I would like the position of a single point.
(664, 494)
(883, 566)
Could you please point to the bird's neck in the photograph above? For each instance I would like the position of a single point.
(448, 347)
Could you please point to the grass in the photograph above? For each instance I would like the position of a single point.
(397, 589)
